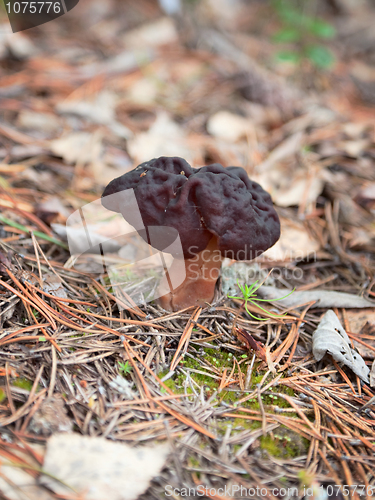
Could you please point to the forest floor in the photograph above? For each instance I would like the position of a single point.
(205, 401)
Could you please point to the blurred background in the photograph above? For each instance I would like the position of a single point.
(284, 88)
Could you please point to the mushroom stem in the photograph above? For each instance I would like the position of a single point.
(198, 287)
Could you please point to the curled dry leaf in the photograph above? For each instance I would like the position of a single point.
(330, 337)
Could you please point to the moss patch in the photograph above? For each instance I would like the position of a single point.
(284, 443)
(221, 360)
(245, 423)
(23, 383)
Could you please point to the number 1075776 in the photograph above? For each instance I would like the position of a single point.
(33, 7)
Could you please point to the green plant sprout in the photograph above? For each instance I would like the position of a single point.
(305, 31)
(249, 295)
(125, 368)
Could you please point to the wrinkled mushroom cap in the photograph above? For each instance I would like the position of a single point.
(200, 203)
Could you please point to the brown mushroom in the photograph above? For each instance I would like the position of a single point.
(218, 212)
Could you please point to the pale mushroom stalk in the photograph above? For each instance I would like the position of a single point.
(198, 287)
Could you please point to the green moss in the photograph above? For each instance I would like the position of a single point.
(270, 445)
(273, 399)
(228, 396)
(257, 379)
(246, 423)
(284, 443)
(219, 358)
(171, 384)
(238, 425)
(176, 383)
(286, 390)
(222, 359)
(194, 462)
(189, 362)
(22, 383)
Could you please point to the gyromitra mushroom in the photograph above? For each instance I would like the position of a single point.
(218, 212)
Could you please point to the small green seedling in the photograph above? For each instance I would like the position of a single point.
(249, 295)
(125, 368)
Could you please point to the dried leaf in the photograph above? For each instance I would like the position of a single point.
(295, 243)
(159, 32)
(290, 187)
(81, 243)
(362, 323)
(81, 147)
(372, 374)
(17, 484)
(101, 468)
(44, 122)
(19, 44)
(228, 126)
(164, 138)
(53, 285)
(54, 204)
(99, 109)
(366, 196)
(322, 298)
(330, 337)
(354, 148)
